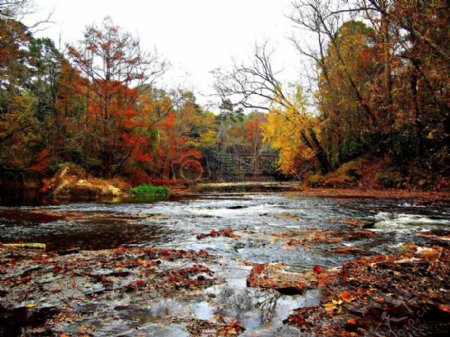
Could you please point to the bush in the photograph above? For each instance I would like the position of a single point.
(149, 190)
(351, 148)
(346, 175)
(390, 179)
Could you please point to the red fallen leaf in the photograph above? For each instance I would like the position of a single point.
(296, 320)
(203, 253)
(56, 268)
(229, 233)
(139, 282)
(444, 308)
(351, 324)
(106, 281)
(120, 250)
(319, 270)
(173, 279)
(347, 296)
(232, 329)
(164, 252)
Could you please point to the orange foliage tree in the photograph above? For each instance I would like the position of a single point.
(116, 71)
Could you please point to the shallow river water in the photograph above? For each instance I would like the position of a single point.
(256, 218)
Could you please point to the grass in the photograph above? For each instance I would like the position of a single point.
(149, 190)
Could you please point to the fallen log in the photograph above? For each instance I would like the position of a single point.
(42, 246)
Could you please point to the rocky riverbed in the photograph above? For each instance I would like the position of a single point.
(265, 264)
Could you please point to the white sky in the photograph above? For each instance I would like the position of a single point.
(195, 36)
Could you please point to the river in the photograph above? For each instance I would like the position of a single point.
(260, 219)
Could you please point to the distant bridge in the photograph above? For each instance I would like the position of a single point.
(243, 164)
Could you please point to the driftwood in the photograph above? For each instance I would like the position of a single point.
(42, 246)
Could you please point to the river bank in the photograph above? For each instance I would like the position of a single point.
(300, 189)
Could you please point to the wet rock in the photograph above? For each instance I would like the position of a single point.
(290, 234)
(274, 276)
(236, 207)
(331, 237)
(347, 250)
(228, 233)
(405, 294)
(288, 216)
(320, 237)
(34, 283)
(358, 223)
(202, 328)
(439, 237)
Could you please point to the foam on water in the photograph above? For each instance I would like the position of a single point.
(401, 222)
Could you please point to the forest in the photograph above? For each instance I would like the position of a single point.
(375, 110)
(313, 207)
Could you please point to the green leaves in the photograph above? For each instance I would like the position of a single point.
(149, 189)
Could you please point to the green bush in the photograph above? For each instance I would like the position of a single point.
(351, 148)
(143, 190)
(390, 179)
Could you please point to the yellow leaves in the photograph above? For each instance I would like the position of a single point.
(329, 307)
(282, 131)
(31, 305)
(334, 305)
(146, 263)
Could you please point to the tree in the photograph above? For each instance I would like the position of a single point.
(116, 70)
(256, 86)
(382, 83)
(345, 120)
(10, 9)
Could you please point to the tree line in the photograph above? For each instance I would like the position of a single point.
(375, 86)
(379, 81)
(97, 104)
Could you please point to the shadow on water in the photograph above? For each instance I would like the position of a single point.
(21, 197)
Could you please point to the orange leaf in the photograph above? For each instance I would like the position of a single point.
(347, 296)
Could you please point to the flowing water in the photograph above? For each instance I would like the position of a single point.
(258, 218)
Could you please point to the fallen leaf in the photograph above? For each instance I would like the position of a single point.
(347, 297)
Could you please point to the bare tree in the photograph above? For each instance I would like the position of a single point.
(13, 8)
(255, 86)
(19, 10)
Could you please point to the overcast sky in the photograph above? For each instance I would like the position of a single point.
(195, 36)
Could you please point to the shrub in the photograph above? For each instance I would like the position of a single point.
(344, 176)
(390, 179)
(142, 190)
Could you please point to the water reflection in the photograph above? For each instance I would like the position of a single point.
(261, 312)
